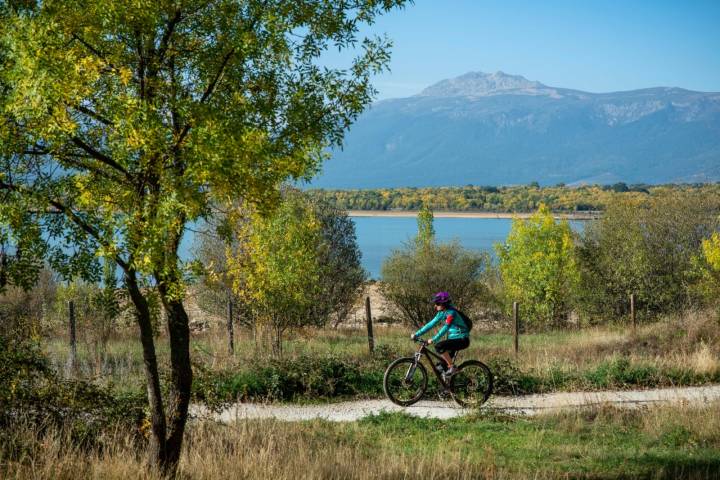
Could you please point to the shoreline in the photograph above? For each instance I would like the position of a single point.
(480, 215)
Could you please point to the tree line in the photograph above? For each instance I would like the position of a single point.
(506, 199)
(664, 250)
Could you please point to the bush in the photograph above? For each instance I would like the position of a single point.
(413, 273)
(647, 248)
(26, 313)
(538, 268)
(32, 393)
(288, 379)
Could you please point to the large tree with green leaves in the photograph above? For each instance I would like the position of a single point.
(122, 121)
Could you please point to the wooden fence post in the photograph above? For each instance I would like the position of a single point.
(231, 340)
(632, 312)
(516, 327)
(368, 318)
(72, 360)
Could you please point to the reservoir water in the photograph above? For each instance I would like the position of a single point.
(378, 236)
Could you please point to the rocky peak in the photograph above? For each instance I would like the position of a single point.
(480, 84)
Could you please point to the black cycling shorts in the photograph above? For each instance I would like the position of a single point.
(452, 345)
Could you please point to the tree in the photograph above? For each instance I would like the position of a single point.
(411, 275)
(279, 276)
(647, 248)
(299, 266)
(708, 267)
(339, 257)
(711, 252)
(538, 268)
(124, 121)
(212, 247)
(426, 228)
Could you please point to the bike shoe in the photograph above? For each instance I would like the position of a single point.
(450, 372)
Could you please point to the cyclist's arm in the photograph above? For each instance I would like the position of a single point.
(428, 325)
(446, 326)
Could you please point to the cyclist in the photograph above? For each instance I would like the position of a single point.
(453, 326)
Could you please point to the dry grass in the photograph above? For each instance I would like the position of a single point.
(689, 343)
(662, 443)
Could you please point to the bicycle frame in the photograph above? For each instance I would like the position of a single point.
(428, 354)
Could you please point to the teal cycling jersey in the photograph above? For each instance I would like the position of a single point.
(452, 325)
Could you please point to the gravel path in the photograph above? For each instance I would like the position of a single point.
(528, 404)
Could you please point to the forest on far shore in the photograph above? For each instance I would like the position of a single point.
(505, 199)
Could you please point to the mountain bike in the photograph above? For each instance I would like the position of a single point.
(406, 379)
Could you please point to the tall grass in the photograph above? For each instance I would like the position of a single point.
(681, 350)
(663, 443)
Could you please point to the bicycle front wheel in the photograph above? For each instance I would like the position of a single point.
(405, 381)
(472, 385)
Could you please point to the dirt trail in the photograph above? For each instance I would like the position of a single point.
(528, 404)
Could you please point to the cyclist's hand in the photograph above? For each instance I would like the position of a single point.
(430, 341)
(413, 337)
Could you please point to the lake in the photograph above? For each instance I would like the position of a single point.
(378, 236)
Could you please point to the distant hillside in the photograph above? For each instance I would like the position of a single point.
(499, 129)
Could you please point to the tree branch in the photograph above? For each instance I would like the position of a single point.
(209, 90)
(101, 157)
(93, 50)
(91, 113)
(165, 41)
(71, 215)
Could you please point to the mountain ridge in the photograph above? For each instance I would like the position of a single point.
(505, 129)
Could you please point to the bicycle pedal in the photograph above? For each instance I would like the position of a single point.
(444, 394)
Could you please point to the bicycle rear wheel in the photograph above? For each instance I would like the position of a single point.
(405, 381)
(472, 385)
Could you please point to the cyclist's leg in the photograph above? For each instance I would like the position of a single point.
(449, 348)
(443, 348)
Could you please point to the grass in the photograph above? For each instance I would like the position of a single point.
(330, 364)
(603, 443)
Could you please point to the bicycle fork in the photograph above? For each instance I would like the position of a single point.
(413, 367)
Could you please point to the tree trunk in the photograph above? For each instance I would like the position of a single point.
(180, 377)
(156, 447)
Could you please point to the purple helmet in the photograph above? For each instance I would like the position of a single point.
(441, 298)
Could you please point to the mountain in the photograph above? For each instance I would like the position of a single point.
(500, 129)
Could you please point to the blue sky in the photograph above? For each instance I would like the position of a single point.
(597, 46)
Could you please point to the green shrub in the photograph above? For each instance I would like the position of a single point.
(31, 392)
(508, 379)
(647, 247)
(286, 379)
(411, 275)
